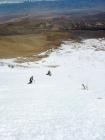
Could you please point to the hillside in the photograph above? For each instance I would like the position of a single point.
(32, 34)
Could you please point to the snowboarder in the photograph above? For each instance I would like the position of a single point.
(31, 80)
(49, 73)
(84, 87)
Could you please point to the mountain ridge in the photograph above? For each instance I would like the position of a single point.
(27, 6)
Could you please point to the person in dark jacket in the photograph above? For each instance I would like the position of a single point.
(49, 73)
(31, 80)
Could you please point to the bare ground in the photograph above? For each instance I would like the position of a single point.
(29, 46)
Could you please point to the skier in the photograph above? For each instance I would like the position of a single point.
(84, 87)
(49, 73)
(31, 80)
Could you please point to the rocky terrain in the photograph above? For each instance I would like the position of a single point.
(50, 22)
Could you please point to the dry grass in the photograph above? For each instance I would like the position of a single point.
(29, 45)
(21, 45)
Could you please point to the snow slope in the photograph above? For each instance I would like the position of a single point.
(56, 107)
